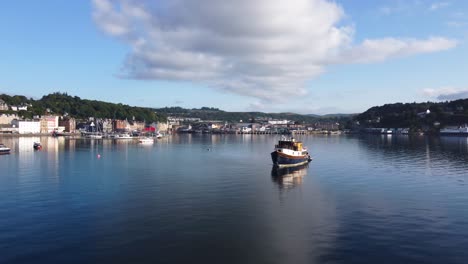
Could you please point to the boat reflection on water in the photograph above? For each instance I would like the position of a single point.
(289, 177)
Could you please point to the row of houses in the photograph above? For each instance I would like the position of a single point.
(11, 123)
(272, 126)
(48, 124)
(113, 125)
(5, 107)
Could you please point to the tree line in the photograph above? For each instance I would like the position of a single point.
(426, 115)
(74, 106)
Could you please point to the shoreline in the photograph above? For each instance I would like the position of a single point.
(35, 135)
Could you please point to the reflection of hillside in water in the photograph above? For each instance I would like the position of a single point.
(416, 151)
(289, 177)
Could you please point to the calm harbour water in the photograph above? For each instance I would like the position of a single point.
(216, 199)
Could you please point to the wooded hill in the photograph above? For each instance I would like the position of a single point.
(414, 115)
(209, 113)
(64, 104)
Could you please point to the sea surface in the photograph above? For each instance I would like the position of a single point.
(217, 199)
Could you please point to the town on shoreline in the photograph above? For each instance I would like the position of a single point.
(60, 114)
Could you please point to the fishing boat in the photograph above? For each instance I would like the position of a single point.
(4, 149)
(92, 135)
(290, 153)
(121, 136)
(458, 131)
(37, 146)
(146, 140)
(94, 132)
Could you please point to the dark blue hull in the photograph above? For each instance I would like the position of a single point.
(283, 160)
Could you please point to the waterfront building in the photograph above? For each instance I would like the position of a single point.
(136, 126)
(49, 124)
(120, 125)
(6, 119)
(107, 126)
(29, 127)
(163, 126)
(69, 124)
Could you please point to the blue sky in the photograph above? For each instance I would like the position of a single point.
(343, 57)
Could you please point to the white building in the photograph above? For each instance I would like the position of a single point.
(246, 129)
(29, 127)
(278, 122)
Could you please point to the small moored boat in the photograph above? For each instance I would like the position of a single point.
(289, 153)
(146, 141)
(37, 146)
(4, 149)
(159, 135)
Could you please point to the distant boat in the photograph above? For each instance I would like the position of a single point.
(289, 153)
(4, 149)
(159, 135)
(95, 132)
(145, 141)
(122, 136)
(93, 135)
(37, 146)
(455, 131)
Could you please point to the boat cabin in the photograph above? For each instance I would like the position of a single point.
(290, 144)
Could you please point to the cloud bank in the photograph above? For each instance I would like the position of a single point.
(267, 49)
(446, 93)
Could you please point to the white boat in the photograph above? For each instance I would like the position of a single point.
(93, 136)
(4, 149)
(146, 140)
(122, 136)
(94, 132)
(454, 131)
(159, 135)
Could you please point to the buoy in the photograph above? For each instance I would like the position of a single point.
(98, 156)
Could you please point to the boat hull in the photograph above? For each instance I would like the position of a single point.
(4, 152)
(282, 160)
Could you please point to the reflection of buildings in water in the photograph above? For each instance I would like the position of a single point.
(289, 177)
(25, 144)
(215, 139)
(25, 149)
(52, 146)
(52, 150)
(71, 145)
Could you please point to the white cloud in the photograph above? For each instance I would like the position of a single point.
(446, 93)
(438, 5)
(267, 49)
(377, 50)
(401, 7)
